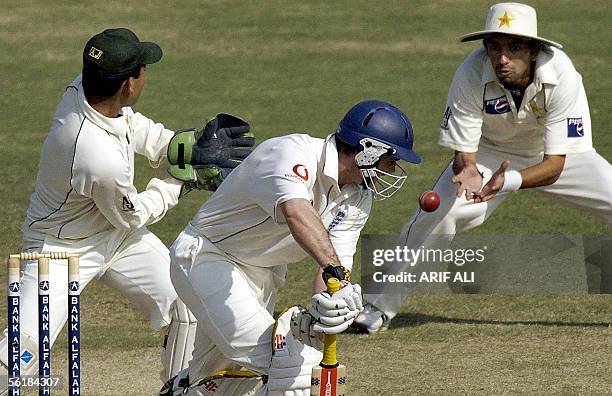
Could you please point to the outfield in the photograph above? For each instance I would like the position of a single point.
(298, 66)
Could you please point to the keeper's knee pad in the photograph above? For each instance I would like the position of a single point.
(178, 343)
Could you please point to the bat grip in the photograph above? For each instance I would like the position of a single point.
(329, 340)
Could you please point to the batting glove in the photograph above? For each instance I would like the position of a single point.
(334, 314)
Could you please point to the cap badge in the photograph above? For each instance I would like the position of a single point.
(95, 53)
(504, 20)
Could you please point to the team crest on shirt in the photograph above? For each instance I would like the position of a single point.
(575, 128)
(337, 219)
(497, 106)
(126, 204)
(536, 109)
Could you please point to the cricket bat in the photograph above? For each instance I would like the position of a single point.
(329, 377)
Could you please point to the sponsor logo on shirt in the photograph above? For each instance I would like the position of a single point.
(299, 171)
(497, 106)
(127, 205)
(575, 127)
(337, 219)
(447, 114)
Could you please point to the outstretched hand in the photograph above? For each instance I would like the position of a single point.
(469, 181)
(494, 185)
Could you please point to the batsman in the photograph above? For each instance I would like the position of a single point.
(294, 196)
(85, 201)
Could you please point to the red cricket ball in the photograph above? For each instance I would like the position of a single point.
(429, 201)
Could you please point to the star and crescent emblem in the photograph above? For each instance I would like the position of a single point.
(535, 108)
(504, 20)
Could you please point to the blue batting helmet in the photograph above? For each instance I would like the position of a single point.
(382, 122)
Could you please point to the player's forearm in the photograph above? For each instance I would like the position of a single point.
(308, 231)
(127, 209)
(463, 160)
(543, 174)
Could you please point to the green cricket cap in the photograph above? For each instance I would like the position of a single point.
(119, 52)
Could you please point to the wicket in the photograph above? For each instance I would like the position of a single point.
(15, 354)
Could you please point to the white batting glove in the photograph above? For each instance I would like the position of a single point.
(302, 328)
(334, 314)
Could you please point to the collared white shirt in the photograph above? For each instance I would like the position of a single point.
(553, 117)
(243, 218)
(86, 172)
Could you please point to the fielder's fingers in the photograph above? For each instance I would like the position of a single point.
(461, 191)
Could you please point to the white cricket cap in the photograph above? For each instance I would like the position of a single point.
(511, 18)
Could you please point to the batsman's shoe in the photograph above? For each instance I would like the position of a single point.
(371, 320)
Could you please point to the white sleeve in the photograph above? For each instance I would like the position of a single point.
(567, 124)
(148, 137)
(117, 199)
(284, 172)
(345, 234)
(461, 125)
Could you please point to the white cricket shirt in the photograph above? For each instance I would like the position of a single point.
(86, 172)
(553, 117)
(243, 218)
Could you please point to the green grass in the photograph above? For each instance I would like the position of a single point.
(298, 66)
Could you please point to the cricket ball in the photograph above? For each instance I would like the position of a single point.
(429, 201)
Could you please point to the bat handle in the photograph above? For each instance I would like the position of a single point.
(329, 340)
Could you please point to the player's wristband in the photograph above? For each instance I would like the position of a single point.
(336, 271)
(512, 181)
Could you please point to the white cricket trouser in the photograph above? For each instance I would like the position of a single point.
(585, 183)
(136, 263)
(233, 304)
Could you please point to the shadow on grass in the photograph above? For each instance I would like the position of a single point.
(417, 319)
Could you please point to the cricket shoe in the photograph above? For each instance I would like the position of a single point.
(371, 320)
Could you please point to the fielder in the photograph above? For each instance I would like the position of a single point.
(294, 196)
(85, 201)
(517, 117)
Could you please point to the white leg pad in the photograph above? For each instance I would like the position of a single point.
(227, 387)
(178, 343)
(218, 384)
(292, 361)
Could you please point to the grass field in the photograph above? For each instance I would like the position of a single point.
(298, 66)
